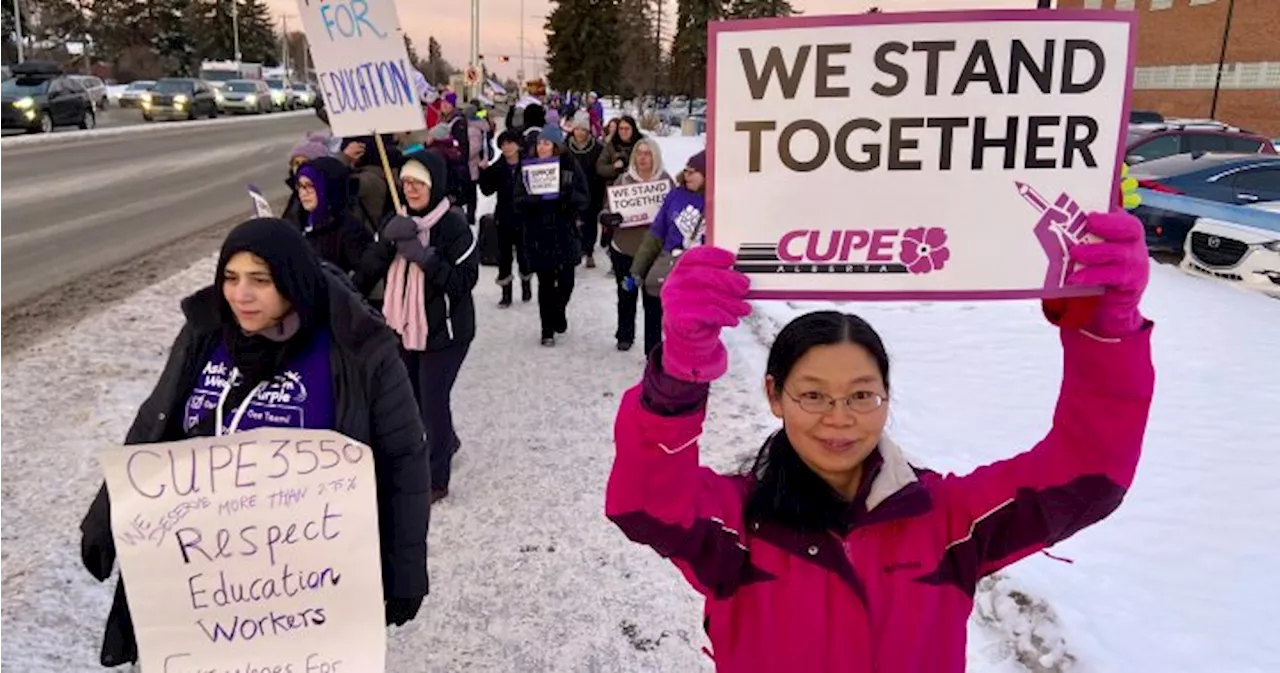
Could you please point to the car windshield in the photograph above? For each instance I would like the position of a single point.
(299, 87)
(242, 87)
(25, 87)
(175, 86)
(275, 83)
(1135, 136)
(218, 75)
(144, 85)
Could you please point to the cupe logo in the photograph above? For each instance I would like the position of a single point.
(917, 250)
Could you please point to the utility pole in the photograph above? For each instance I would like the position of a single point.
(520, 72)
(17, 28)
(284, 35)
(657, 49)
(235, 28)
(474, 59)
(1222, 58)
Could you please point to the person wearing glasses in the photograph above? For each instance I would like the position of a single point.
(832, 552)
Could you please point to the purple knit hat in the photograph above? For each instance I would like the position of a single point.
(698, 162)
(313, 146)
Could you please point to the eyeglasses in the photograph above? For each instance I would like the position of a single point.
(862, 401)
(306, 186)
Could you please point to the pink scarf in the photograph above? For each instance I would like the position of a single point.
(404, 302)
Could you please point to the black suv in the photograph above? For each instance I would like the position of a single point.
(39, 98)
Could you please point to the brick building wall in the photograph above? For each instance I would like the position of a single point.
(1179, 42)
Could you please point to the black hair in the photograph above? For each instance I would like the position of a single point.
(784, 490)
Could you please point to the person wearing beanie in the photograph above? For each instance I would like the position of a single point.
(461, 187)
(279, 340)
(312, 146)
(623, 244)
(551, 233)
(585, 150)
(679, 225)
(595, 110)
(500, 178)
(533, 118)
(428, 300)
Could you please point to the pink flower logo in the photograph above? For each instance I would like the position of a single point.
(924, 250)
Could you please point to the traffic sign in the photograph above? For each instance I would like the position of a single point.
(473, 75)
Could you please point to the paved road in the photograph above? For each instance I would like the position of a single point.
(109, 118)
(72, 208)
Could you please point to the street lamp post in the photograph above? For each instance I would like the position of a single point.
(1222, 57)
(17, 28)
(235, 29)
(520, 72)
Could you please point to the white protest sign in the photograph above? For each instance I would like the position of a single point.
(261, 206)
(542, 177)
(638, 203)
(859, 6)
(362, 66)
(255, 549)
(914, 156)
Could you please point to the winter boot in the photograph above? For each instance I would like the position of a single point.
(548, 340)
(438, 494)
(625, 345)
(506, 295)
(526, 289)
(591, 261)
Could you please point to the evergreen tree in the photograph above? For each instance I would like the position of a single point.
(640, 50)
(436, 69)
(259, 41)
(759, 9)
(584, 45)
(689, 48)
(414, 59)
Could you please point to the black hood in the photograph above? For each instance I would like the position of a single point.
(535, 116)
(294, 267)
(439, 171)
(335, 188)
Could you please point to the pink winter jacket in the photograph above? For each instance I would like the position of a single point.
(894, 595)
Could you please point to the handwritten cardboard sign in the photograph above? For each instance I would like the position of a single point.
(258, 548)
(948, 155)
(362, 66)
(542, 177)
(639, 202)
(261, 207)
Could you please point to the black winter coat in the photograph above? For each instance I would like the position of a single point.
(551, 234)
(587, 158)
(374, 404)
(500, 178)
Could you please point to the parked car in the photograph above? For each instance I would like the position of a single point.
(96, 87)
(1238, 179)
(180, 98)
(1239, 254)
(1145, 117)
(246, 96)
(1156, 141)
(39, 98)
(305, 94)
(282, 95)
(135, 92)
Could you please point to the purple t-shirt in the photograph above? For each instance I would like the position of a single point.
(300, 397)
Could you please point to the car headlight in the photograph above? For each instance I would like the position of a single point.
(146, 97)
(217, 96)
(251, 99)
(277, 96)
(180, 99)
(25, 103)
(1273, 246)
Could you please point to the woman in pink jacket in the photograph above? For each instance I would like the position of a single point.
(833, 553)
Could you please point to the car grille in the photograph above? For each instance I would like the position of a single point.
(1217, 250)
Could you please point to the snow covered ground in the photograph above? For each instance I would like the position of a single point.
(527, 575)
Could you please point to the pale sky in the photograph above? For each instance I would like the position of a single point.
(450, 22)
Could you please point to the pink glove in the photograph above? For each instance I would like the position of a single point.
(702, 296)
(1118, 263)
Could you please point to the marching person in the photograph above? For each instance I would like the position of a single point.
(585, 149)
(624, 243)
(326, 220)
(832, 552)
(313, 146)
(551, 233)
(428, 300)
(617, 150)
(500, 178)
(278, 322)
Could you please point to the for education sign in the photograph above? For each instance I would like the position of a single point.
(256, 551)
(896, 156)
(362, 66)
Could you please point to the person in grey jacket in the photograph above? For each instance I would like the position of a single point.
(307, 326)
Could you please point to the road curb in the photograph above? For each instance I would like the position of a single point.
(58, 138)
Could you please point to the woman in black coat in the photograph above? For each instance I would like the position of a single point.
(306, 324)
(551, 236)
(324, 187)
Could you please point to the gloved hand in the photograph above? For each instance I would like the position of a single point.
(611, 219)
(399, 228)
(413, 250)
(98, 553)
(401, 611)
(702, 296)
(1118, 263)
(630, 283)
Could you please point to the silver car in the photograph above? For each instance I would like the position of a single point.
(246, 96)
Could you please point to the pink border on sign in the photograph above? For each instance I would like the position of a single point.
(713, 33)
